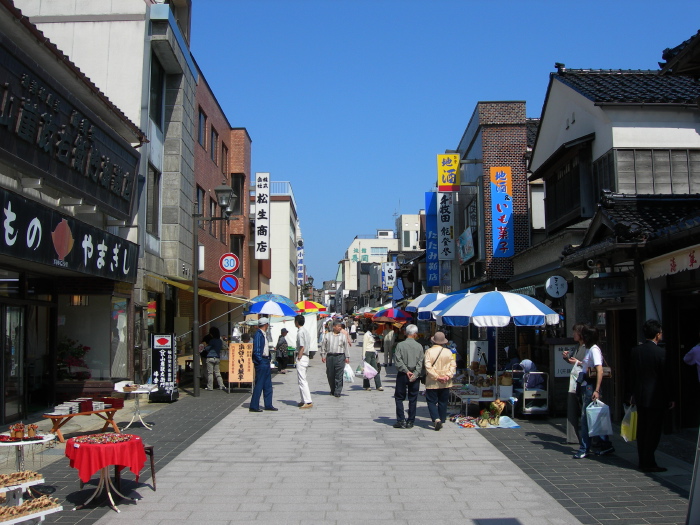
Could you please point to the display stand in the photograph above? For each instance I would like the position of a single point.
(14, 496)
(19, 447)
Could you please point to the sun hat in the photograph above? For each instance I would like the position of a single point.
(263, 320)
(439, 338)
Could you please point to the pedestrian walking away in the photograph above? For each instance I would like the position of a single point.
(370, 356)
(389, 339)
(334, 352)
(440, 368)
(650, 386)
(409, 368)
(573, 407)
(302, 361)
(590, 389)
(261, 361)
(213, 358)
(353, 331)
(281, 351)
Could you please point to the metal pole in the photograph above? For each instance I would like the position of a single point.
(195, 299)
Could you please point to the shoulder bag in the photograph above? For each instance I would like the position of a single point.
(607, 371)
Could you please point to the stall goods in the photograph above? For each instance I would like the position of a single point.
(27, 508)
(17, 478)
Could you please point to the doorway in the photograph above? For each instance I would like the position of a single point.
(12, 327)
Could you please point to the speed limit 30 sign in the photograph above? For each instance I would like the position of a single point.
(229, 262)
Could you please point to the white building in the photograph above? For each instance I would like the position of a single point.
(408, 231)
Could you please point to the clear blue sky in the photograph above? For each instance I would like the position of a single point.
(350, 100)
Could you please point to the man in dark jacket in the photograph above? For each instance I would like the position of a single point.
(649, 387)
(261, 360)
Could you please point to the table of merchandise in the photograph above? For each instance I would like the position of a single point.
(59, 420)
(89, 458)
(466, 398)
(144, 389)
(19, 445)
(15, 509)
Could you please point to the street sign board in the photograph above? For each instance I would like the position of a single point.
(229, 262)
(228, 284)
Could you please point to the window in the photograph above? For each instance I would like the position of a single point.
(212, 213)
(223, 227)
(157, 95)
(224, 160)
(379, 251)
(292, 274)
(201, 196)
(237, 249)
(202, 130)
(153, 201)
(407, 239)
(237, 180)
(214, 144)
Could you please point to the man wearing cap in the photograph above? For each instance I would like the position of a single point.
(334, 354)
(261, 360)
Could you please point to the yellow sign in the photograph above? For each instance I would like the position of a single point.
(240, 362)
(448, 172)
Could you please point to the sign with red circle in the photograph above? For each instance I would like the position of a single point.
(228, 284)
(229, 262)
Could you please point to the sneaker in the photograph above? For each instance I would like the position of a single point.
(438, 424)
(607, 450)
(580, 455)
(380, 389)
(307, 405)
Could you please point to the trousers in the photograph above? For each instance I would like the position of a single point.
(302, 366)
(213, 369)
(335, 364)
(437, 399)
(263, 384)
(404, 389)
(371, 358)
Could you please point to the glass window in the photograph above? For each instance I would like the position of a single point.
(379, 251)
(224, 159)
(202, 131)
(201, 204)
(157, 96)
(237, 180)
(214, 144)
(237, 249)
(212, 213)
(153, 201)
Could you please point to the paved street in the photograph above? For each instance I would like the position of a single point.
(342, 462)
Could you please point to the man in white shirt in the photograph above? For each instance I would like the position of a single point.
(334, 353)
(302, 361)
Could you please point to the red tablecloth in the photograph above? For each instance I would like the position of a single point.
(89, 458)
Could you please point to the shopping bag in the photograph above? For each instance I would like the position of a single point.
(369, 371)
(628, 428)
(359, 371)
(348, 374)
(598, 417)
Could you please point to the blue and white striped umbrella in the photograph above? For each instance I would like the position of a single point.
(431, 310)
(270, 308)
(423, 300)
(496, 309)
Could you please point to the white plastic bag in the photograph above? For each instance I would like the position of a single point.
(348, 374)
(369, 371)
(598, 416)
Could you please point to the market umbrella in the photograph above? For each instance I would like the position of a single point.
(364, 310)
(393, 314)
(274, 297)
(270, 308)
(423, 304)
(310, 306)
(495, 309)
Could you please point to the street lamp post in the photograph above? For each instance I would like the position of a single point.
(224, 196)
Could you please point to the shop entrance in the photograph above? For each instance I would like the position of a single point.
(687, 314)
(12, 327)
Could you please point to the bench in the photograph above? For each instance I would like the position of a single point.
(60, 420)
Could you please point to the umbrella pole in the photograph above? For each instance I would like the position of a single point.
(498, 386)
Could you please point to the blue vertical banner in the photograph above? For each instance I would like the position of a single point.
(502, 228)
(431, 241)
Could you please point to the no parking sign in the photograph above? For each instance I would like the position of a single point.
(228, 284)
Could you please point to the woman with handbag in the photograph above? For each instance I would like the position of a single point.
(573, 407)
(590, 390)
(440, 368)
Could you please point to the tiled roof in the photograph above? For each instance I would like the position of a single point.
(533, 125)
(630, 86)
(669, 54)
(646, 217)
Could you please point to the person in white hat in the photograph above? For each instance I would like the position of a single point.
(263, 377)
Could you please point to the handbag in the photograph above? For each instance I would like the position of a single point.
(607, 371)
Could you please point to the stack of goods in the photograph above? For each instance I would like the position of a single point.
(17, 478)
(27, 508)
(492, 415)
(464, 421)
(101, 439)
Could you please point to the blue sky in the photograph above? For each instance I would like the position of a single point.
(350, 100)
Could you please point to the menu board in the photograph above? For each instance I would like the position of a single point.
(240, 363)
(164, 368)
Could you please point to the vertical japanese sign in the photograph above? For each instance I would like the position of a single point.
(388, 276)
(262, 215)
(445, 227)
(163, 366)
(448, 172)
(300, 266)
(432, 265)
(502, 229)
(240, 363)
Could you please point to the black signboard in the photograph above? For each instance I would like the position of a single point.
(46, 132)
(164, 368)
(33, 232)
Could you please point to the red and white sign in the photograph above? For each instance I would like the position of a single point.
(228, 284)
(229, 262)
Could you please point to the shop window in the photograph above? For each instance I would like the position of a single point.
(156, 108)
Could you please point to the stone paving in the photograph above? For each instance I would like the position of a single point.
(342, 462)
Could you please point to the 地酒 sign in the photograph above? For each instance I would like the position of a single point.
(229, 262)
(228, 284)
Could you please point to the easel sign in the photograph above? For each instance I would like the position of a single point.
(164, 365)
(240, 363)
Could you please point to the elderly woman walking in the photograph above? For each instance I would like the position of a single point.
(440, 368)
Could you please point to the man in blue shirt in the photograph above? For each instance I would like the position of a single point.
(263, 377)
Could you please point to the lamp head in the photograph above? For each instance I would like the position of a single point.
(224, 197)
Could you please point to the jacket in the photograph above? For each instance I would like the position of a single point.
(259, 346)
(648, 381)
(368, 342)
(214, 348)
(437, 364)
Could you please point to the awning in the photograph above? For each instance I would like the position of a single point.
(203, 293)
(672, 263)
